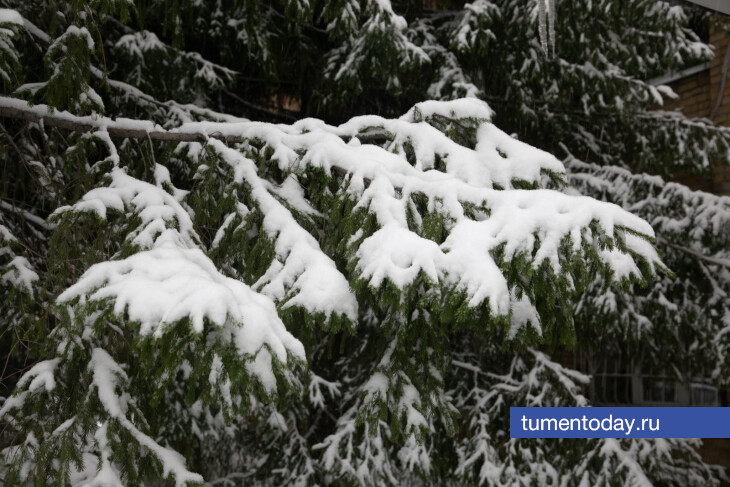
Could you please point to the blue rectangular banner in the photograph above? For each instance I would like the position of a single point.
(620, 422)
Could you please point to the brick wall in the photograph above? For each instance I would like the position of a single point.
(698, 94)
(720, 39)
(716, 451)
(694, 95)
(695, 100)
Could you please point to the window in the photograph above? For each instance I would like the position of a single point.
(704, 395)
(613, 389)
(659, 389)
(619, 381)
(612, 383)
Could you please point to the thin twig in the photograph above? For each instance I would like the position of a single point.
(152, 150)
(706, 258)
(98, 32)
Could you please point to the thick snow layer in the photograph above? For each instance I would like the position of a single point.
(455, 109)
(20, 274)
(301, 267)
(171, 278)
(6, 234)
(8, 16)
(100, 123)
(92, 476)
(40, 375)
(465, 259)
(37, 379)
(416, 159)
(73, 31)
(169, 282)
(154, 206)
(498, 159)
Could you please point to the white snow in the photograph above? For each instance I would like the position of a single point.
(73, 31)
(169, 282)
(9, 16)
(524, 222)
(461, 108)
(37, 378)
(301, 267)
(316, 397)
(19, 273)
(155, 207)
(40, 375)
(107, 375)
(241, 211)
(140, 42)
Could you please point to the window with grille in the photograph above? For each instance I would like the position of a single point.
(612, 383)
(704, 395)
(659, 390)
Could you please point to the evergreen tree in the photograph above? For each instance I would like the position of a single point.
(197, 297)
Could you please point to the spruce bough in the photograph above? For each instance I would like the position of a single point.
(213, 300)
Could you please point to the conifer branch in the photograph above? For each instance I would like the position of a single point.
(43, 115)
(126, 128)
(711, 260)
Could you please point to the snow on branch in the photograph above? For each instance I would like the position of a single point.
(10, 23)
(156, 207)
(691, 221)
(693, 231)
(16, 271)
(172, 278)
(486, 454)
(138, 44)
(107, 374)
(425, 156)
(168, 283)
(302, 266)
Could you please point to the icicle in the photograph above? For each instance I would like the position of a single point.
(546, 26)
(551, 25)
(542, 29)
